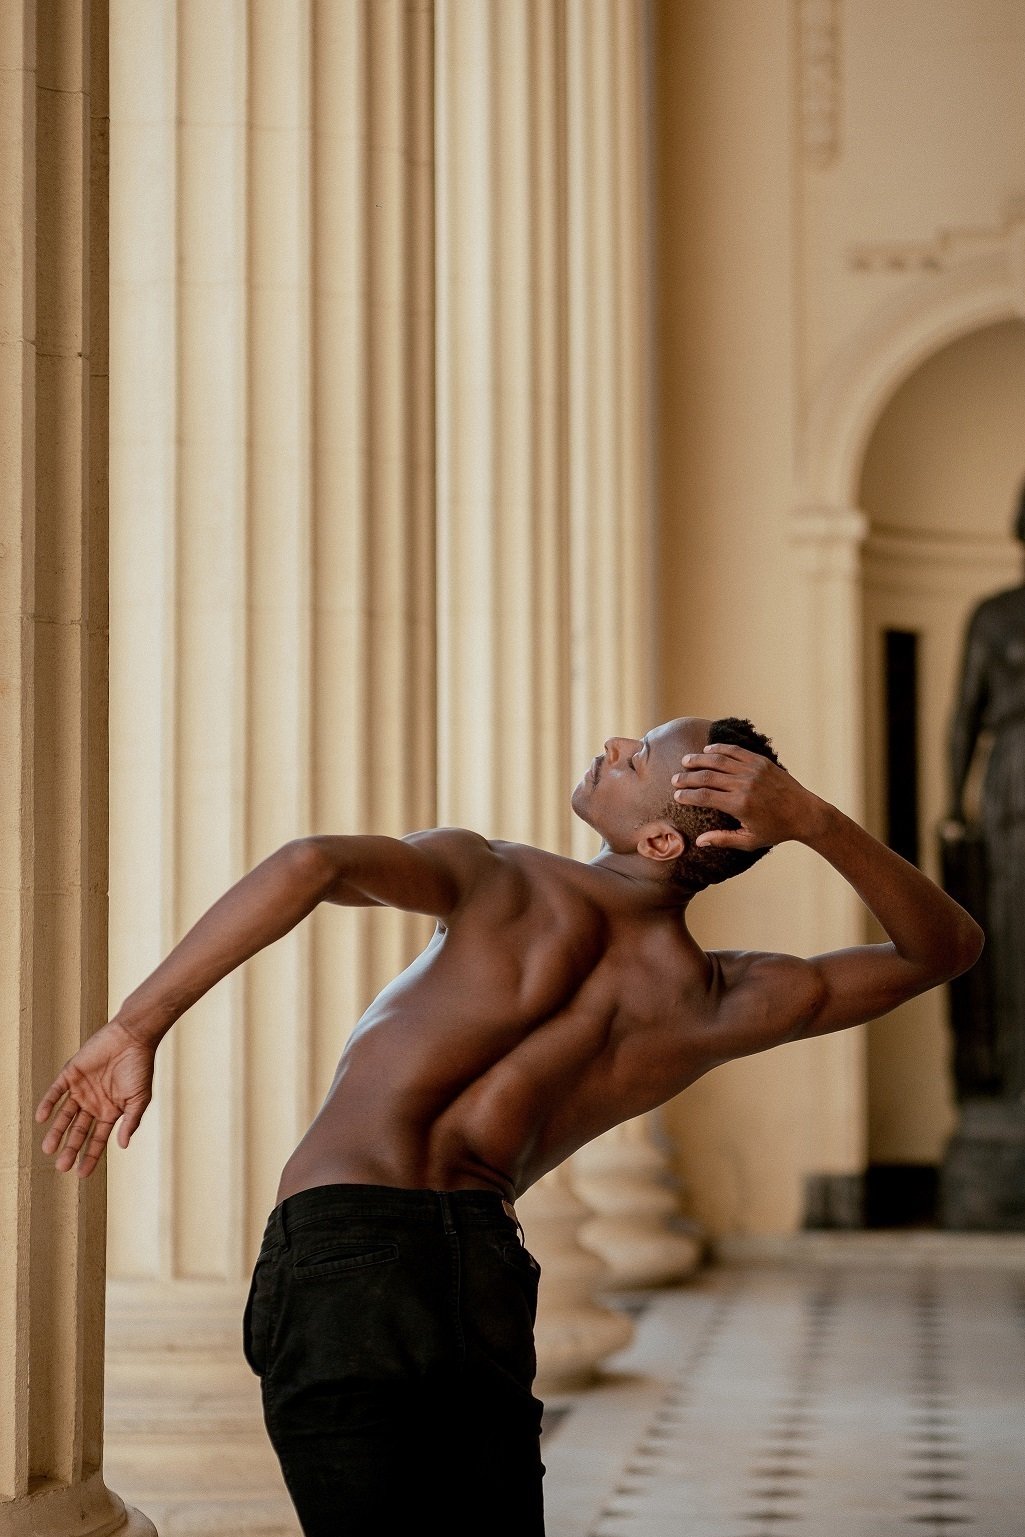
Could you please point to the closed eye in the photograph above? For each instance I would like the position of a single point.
(644, 748)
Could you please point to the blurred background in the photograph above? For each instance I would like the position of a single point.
(491, 378)
(488, 377)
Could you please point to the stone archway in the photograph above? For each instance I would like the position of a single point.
(939, 482)
(962, 285)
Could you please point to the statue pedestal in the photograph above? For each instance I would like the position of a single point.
(982, 1177)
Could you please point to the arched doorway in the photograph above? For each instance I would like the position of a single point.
(939, 480)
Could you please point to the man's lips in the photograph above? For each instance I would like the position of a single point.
(595, 769)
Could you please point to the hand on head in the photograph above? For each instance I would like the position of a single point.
(768, 802)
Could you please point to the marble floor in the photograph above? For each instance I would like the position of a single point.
(865, 1385)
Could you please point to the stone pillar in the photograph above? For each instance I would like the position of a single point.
(623, 1176)
(281, 579)
(272, 612)
(545, 618)
(828, 544)
(504, 558)
(53, 703)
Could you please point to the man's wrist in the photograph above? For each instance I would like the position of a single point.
(146, 1021)
(821, 826)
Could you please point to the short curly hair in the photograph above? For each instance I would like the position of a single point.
(696, 867)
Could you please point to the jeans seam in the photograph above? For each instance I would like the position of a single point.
(457, 1294)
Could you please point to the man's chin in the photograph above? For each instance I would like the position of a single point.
(578, 800)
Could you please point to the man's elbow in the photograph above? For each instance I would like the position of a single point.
(966, 946)
(314, 861)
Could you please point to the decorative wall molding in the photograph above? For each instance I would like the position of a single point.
(939, 561)
(947, 249)
(981, 288)
(818, 24)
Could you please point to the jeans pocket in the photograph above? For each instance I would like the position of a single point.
(336, 1258)
(521, 1259)
(255, 1319)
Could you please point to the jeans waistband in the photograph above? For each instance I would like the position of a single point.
(449, 1209)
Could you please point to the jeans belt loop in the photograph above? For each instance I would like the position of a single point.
(446, 1212)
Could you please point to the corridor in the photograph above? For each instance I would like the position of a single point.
(834, 1386)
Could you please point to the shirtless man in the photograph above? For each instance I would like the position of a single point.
(390, 1317)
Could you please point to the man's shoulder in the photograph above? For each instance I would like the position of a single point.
(462, 845)
(459, 846)
(526, 864)
(446, 837)
(466, 839)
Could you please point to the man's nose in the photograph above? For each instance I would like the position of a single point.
(615, 747)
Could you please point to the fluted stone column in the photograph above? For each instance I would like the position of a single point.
(545, 617)
(827, 544)
(623, 1176)
(301, 642)
(634, 1203)
(53, 749)
(273, 617)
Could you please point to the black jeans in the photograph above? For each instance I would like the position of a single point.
(393, 1334)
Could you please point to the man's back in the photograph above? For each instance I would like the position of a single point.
(556, 1000)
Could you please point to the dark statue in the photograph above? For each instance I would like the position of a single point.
(983, 859)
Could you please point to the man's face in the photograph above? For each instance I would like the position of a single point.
(630, 783)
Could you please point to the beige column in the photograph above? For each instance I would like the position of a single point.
(182, 587)
(504, 641)
(623, 1176)
(273, 616)
(828, 544)
(53, 616)
(545, 612)
(274, 576)
(372, 547)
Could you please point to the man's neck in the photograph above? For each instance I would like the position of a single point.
(649, 887)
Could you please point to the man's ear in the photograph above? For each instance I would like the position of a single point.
(661, 841)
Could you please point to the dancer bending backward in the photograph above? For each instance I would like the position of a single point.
(390, 1316)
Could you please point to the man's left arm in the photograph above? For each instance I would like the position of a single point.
(930, 937)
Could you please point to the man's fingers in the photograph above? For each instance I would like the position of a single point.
(704, 795)
(732, 751)
(54, 1093)
(734, 839)
(130, 1122)
(76, 1136)
(92, 1150)
(715, 778)
(65, 1115)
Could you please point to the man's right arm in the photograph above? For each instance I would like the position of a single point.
(428, 872)
(109, 1077)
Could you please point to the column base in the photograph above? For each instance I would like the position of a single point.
(88, 1509)
(575, 1332)
(184, 1423)
(624, 1179)
(982, 1177)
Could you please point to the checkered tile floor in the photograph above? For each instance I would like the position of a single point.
(866, 1390)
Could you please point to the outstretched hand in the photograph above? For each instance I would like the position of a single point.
(109, 1079)
(768, 802)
